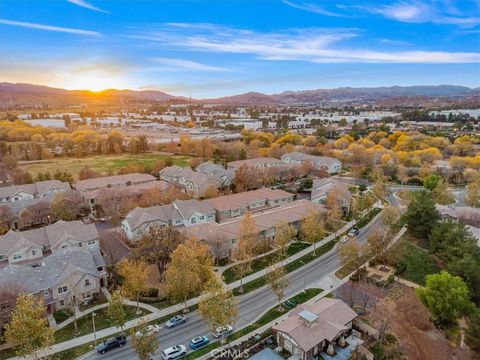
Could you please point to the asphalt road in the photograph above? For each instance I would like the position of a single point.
(251, 305)
(458, 192)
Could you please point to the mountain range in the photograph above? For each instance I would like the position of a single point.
(28, 95)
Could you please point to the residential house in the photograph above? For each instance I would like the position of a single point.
(196, 184)
(235, 205)
(322, 187)
(70, 274)
(221, 237)
(180, 213)
(258, 163)
(332, 165)
(38, 190)
(226, 176)
(30, 245)
(314, 328)
(116, 184)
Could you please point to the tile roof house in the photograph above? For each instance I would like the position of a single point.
(334, 166)
(313, 328)
(221, 237)
(226, 176)
(36, 190)
(194, 183)
(71, 272)
(234, 205)
(321, 188)
(180, 213)
(17, 247)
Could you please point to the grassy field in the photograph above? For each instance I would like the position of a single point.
(413, 262)
(101, 163)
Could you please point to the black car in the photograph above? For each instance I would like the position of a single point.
(111, 343)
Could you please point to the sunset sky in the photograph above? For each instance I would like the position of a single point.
(217, 48)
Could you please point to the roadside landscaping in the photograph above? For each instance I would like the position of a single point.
(84, 323)
(263, 262)
(269, 316)
(294, 265)
(367, 218)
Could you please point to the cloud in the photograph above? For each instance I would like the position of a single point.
(87, 5)
(424, 12)
(182, 64)
(313, 8)
(314, 45)
(49, 27)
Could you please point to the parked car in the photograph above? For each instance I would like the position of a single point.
(174, 352)
(353, 232)
(175, 321)
(151, 329)
(111, 343)
(344, 239)
(289, 304)
(198, 342)
(222, 332)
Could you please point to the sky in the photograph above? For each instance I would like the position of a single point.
(218, 48)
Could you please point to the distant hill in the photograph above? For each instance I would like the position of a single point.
(28, 95)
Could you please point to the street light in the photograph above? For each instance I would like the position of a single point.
(94, 333)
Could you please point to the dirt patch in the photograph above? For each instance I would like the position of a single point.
(409, 321)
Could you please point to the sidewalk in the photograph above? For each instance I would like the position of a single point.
(157, 314)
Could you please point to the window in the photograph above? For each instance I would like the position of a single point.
(62, 289)
(80, 244)
(87, 282)
(91, 242)
(194, 220)
(17, 256)
(202, 217)
(34, 252)
(61, 302)
(45, 292)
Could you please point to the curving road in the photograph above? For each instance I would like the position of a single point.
(251, 305)
(458, 192)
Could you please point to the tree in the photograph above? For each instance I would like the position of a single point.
(28, 330)
(217, 305)
(349, 253)
(472, 194)
(134, 274)
(157, 245)
(431, 181)
(446, 296)
(61, 209)
(245, 247)
(390, 216)
(115, 310)
(203, 259)
(442, 194)
(278, 282)
(377, 242)
(87, 173)
(284, 234)
(402, 174)
(421, 215)
(472, 335)
(182, 279)
(144, 343)
(312, 228)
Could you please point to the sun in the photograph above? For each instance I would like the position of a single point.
(92, 82)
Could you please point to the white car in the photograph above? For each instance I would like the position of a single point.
(344, 239)
(222, 332)
(151, 329)
(174, 352)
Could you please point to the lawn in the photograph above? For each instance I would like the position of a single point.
(101, 322)
(412, 262)
(367, 218)
(259, 264)
(102, 164)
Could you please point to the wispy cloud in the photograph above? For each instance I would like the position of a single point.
(49, 27)
(182, 64)
(313, 8)
(315, 45)
(423, 12)
(87, 5)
